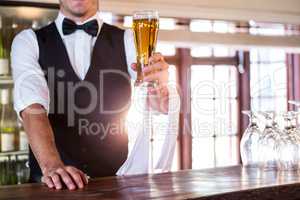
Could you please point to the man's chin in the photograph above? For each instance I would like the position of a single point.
(79, 13)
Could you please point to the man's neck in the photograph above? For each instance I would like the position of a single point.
(79, 19)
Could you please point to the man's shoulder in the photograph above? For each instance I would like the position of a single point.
(29, 33)
(29, 37)
(25, 36)
(46, 28)
(24, 45)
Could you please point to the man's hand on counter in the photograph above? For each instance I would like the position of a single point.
(71, 177)
(42, 143)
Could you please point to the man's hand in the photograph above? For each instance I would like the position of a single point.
(41, 139)
(56, 177)
(157, 72)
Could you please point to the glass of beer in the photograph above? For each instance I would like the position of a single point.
(145, 27)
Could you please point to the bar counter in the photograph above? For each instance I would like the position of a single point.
(234, 183)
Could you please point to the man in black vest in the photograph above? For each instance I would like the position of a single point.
(80, 64)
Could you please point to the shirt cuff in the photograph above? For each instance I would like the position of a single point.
(19, 107)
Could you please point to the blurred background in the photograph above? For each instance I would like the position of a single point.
(225, 57)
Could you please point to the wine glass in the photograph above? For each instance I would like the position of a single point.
(249, 141)
(289, 144)
(268, 141)
(297, 105)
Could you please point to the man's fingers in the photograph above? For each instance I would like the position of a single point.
(153, 76)
(133, 66)
(47, 180)
(56, 180)
(70, 176)
(76, 176)
(66, 178)
(84, 176)
(159, 66)
(152, 91)
(156, 57)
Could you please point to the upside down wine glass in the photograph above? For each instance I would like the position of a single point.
(268, 142)
(297, 105)
(289, 144)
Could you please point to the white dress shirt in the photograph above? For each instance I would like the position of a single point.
(30, 84)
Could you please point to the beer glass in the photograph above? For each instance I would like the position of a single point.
(145, 28)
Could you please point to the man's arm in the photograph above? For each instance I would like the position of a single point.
(31, 101)
(41, 140)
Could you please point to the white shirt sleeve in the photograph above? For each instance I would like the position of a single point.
(130, 51)
(30, 86)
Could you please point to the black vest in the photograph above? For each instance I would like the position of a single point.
(93, 139)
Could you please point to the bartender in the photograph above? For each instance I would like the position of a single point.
(72, 92)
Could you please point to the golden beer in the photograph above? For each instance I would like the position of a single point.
(145, 27)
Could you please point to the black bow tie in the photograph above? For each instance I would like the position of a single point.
(90, 27)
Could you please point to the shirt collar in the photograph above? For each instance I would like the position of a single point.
(60, 18)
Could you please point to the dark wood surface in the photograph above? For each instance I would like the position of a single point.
(222, 183)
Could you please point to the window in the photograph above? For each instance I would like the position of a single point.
(267, 29)
(127, 21)
(223, 51)
(268, 80)
(217, 51)
(167, 23)
(214, 116)
(201, 26)
(203, 51)
(212, 26)
(166, 49)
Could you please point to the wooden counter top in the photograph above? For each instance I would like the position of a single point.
(221, 183)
